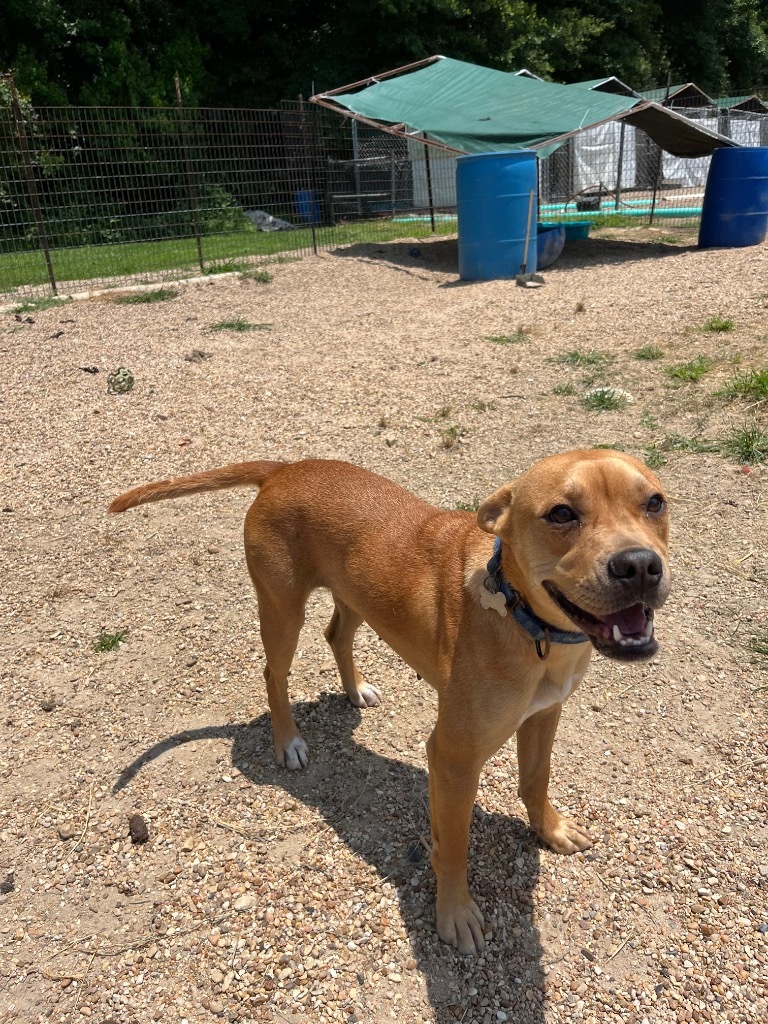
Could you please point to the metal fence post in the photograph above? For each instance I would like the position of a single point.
(34, 197)
(429, 185)
(191, 194)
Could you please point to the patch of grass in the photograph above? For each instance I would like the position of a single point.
(468, 506)
(649, 352)
(576, 358)
(747, 445)
(696, 445)
(648, 421)
(261, 276)
(484, 406)
(444, 412)
(579, 308)
(603, 400)
(138, 298)
(718, 324)
(109, 641)
(654, 457)
(613, 447)
(753, 384)
(36, 305)
(759, 645)
(563, 389)
(239, 323)
(516, 338)
(451, 435)
(691, 372)
(234, 266)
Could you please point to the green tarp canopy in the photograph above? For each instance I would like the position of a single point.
(471, 109)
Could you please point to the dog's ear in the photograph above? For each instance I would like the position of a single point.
(494, 511)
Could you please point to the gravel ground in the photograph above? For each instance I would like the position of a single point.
(262, 895)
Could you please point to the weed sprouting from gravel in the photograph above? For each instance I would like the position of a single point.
(563, 389)
(603, 400)
(649, 352)
(696, 445)
(691, 372)
(576, 358)
(484, 406)
(239, 323)
(260, 276)
(747, 444)
(654, 457)
(648, 421)
(228, 267)
(106, 642)
(36, 305)
(139, 298)
(753, 385)
(468, 506)
(516, 338)
(451, 435)
(718, 324)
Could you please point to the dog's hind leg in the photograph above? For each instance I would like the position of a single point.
(280, 623)
(340, 634)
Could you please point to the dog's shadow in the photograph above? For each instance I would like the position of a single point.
(378, 806)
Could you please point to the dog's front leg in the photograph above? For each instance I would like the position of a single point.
(534, 750)
(453, 785)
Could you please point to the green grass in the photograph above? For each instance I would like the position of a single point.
(36, 305)
(180, 254)
(239, 323)
(156, 295)
(576, 358)
(516, 338)
(468, 506)
(563, 389)
(484, 406)
(261, 276)
(654, 457)
(452, 434)
(718, 324)
(691, 372)
(649, 352)
(696, 445)
(648, 421)
(747, 445)
(753, 385)
(109, 641)
(603, 400)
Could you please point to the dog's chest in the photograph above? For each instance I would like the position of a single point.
(550, 692)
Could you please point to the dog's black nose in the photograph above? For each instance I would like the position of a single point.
(639, 569)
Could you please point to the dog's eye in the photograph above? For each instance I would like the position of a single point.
(655, 504)
(562, 514)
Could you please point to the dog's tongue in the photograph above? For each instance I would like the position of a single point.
(629, 620)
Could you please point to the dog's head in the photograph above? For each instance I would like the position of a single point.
(584, 539)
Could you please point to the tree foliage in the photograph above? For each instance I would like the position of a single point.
(242, 53)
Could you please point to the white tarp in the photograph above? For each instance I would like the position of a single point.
(442, 171)
(596, 158)
(688, 172)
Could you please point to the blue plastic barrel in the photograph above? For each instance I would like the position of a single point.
(735, 208)
(493, 195)
(307, 205)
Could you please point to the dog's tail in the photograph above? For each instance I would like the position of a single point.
(238, 474)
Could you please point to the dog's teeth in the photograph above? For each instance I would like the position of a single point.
(649, 628)
(617, 634)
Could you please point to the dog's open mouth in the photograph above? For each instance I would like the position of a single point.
(626, 634)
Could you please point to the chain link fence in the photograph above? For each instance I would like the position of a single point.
(104, 196)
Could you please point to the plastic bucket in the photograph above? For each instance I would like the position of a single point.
(550, 240)
(735, 208)
(493, 193)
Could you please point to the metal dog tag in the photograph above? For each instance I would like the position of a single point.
(492, 597)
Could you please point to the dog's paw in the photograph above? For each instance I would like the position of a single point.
(462, 926)
(294, 756)
(367, 696)
(567, 837)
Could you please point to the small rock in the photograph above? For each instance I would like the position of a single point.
(213, 549)
(216, 1007)
(138, 829)
(245, 902)
(191, 660)
(66, 831)
(188, 845)
(48, 704)
(8, 884)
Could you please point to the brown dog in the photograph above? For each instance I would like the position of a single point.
(503, 631)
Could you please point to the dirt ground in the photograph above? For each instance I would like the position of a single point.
(263, 895)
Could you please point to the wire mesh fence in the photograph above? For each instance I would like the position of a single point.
(99, 196)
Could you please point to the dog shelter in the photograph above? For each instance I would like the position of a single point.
(447, 108)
